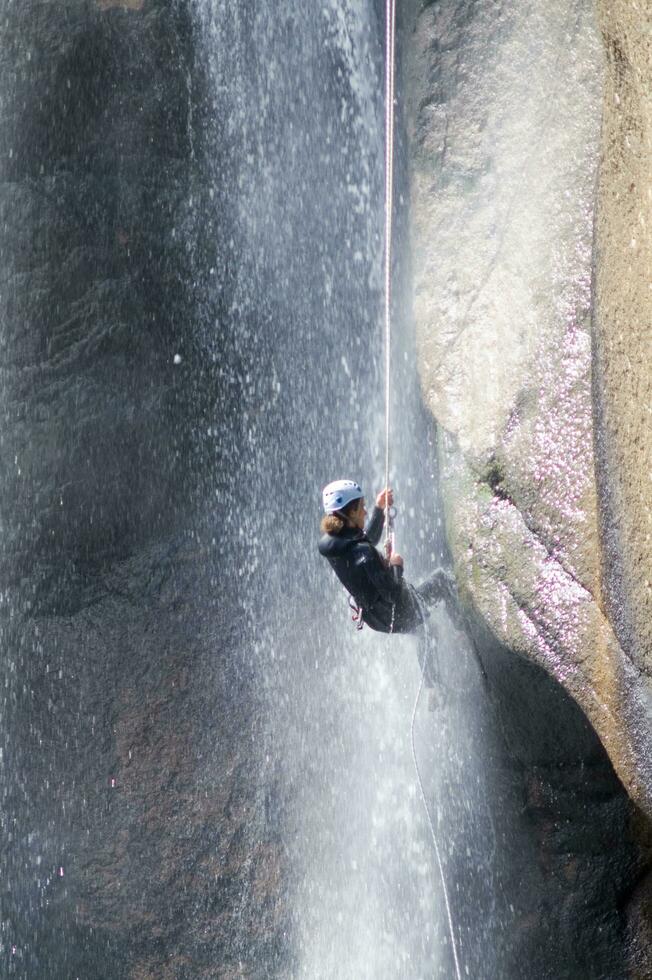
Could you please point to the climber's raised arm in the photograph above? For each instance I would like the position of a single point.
(376, 523)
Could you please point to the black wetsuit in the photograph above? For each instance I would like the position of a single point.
(389, 604)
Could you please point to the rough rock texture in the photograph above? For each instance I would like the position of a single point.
(622, 379)
(504, 127)
(136, 842)
(623, 326)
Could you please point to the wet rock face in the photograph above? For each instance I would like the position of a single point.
(135, 842)
(96, 175)
(175, 288)
(505, 135)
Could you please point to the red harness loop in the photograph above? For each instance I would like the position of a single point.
(357, 613)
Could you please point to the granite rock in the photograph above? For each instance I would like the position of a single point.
(505, 109)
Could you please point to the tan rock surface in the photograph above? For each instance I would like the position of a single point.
(505, 112)
(623, 323)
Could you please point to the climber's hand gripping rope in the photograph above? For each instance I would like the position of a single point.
(390, 516)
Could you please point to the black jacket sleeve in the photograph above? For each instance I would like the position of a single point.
(375, 525)
(382, 578)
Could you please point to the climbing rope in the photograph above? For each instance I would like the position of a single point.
(390, 8)
(389, 202)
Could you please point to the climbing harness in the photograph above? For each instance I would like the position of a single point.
(356, 613)
(390, 9)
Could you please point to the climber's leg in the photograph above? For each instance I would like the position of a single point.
(441, 587)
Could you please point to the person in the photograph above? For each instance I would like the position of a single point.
(386, 602)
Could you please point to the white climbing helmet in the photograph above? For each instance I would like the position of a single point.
(339, 493)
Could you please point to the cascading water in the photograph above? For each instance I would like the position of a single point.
(309, 200)
(208, 772)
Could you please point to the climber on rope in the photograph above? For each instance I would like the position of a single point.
(384, 600)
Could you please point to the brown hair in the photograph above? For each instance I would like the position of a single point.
(333, 523)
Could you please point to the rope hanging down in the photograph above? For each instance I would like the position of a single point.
(449, 914)
(389, 204)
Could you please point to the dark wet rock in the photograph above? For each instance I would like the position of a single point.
(545, 851)
(135, 843)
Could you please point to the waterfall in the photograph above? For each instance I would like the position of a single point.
(206, 770)
(298, 113)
